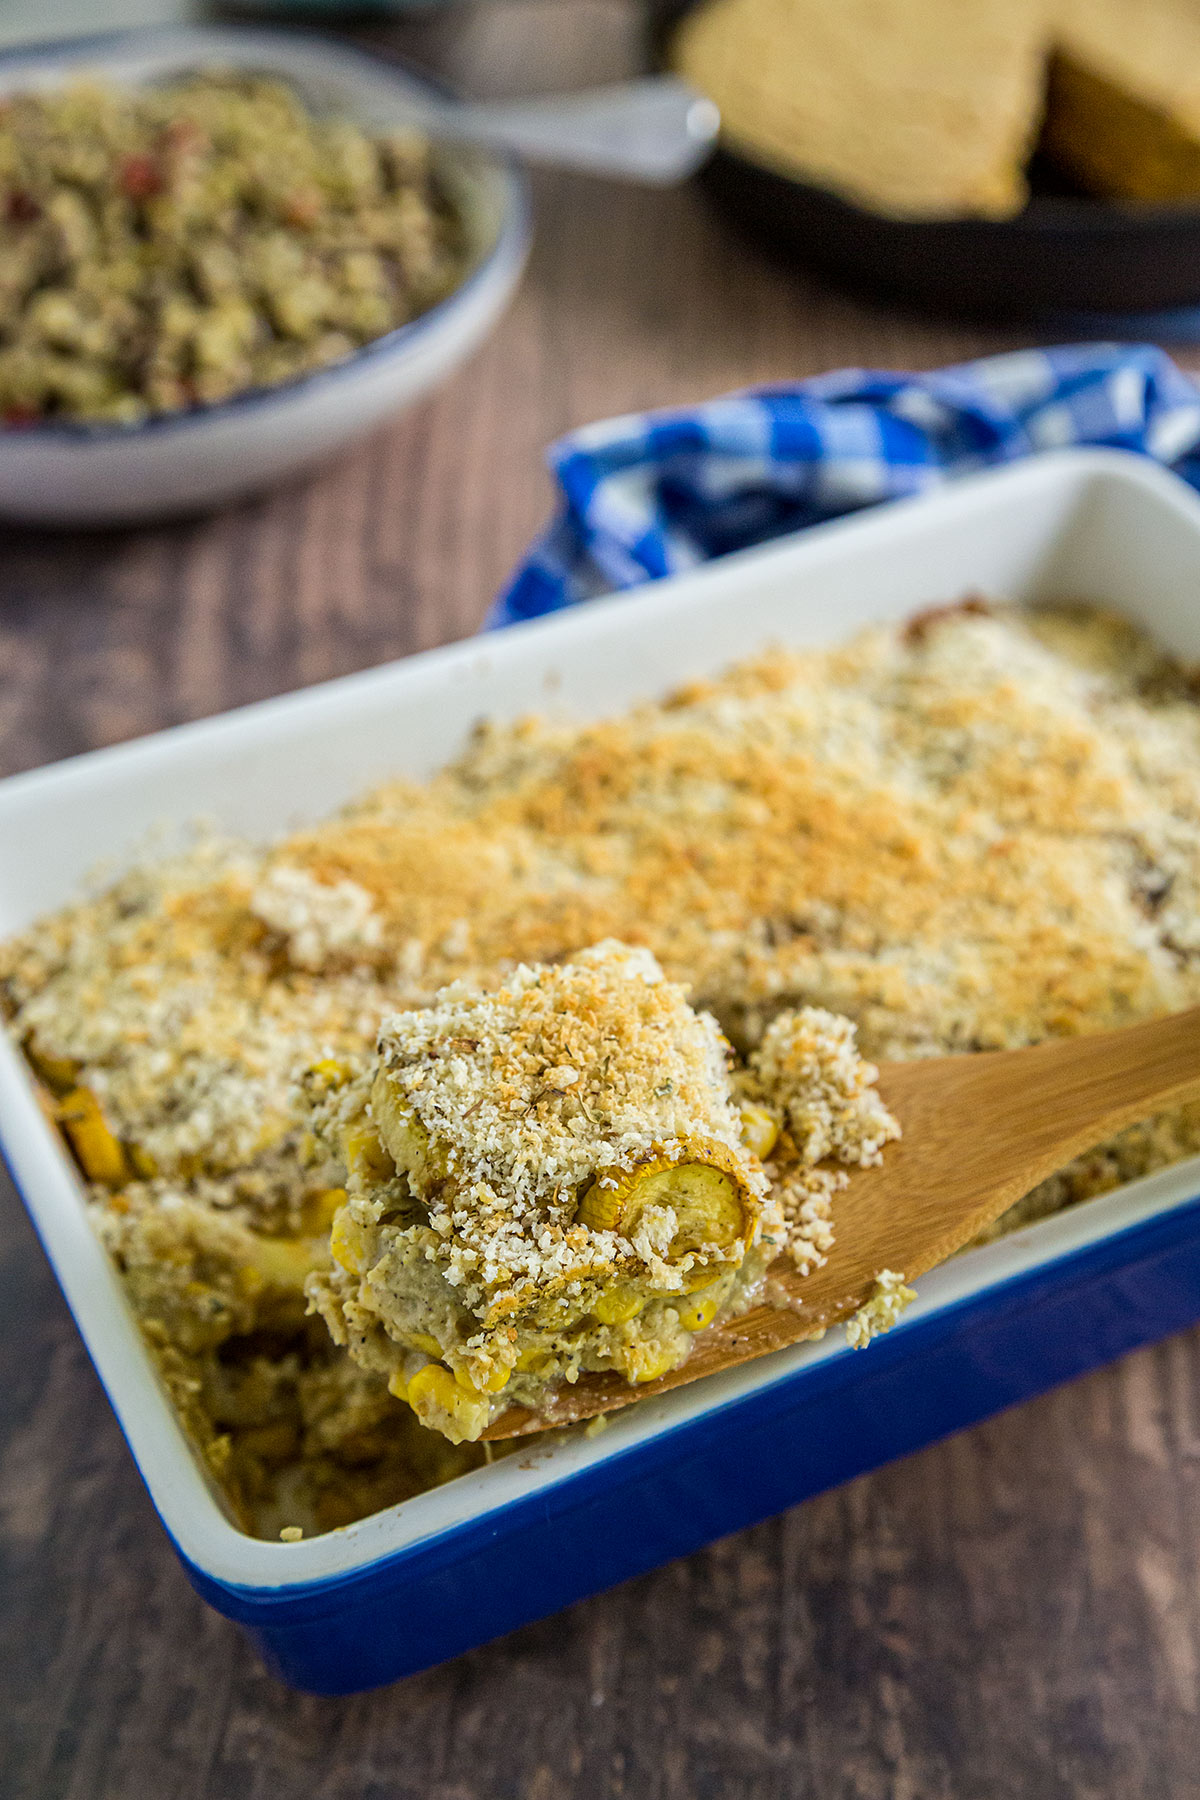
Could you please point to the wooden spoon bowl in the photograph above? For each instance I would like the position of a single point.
(979, 1133)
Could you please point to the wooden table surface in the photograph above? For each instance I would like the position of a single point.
(1013, 1613)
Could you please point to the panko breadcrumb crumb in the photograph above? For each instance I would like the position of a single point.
(807, 1064)
(808, 1068)
(880, 1310)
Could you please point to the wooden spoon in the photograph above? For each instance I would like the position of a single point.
(979, 1132)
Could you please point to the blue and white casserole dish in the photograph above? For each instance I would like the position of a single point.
(508, 1543)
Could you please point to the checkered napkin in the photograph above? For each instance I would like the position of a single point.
(657, 493)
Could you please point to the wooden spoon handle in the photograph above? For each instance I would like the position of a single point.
(981, 1131)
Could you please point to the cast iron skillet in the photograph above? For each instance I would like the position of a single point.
(1063, 254)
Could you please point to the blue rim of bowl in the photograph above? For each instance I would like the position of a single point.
(508, 252)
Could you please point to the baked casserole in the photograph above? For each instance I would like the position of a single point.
(974, 831)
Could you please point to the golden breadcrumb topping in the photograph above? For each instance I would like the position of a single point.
(566, 1073)
(965, 836)
(808, 1072)
(879, 1312)
(808, 1065)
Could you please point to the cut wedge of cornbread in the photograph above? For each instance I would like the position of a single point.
(931, 108)
(1123, 109)
(910, 109)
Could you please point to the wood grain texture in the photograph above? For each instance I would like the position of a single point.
(1012, 1614)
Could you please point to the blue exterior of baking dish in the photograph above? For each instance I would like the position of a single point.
(729, 1468)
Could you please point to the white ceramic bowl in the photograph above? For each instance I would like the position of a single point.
(79, 474)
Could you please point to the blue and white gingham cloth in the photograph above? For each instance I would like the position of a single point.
(654, 494)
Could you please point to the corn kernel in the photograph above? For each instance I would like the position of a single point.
(699, 1310)
(618, 1304)
(532, 1359)
(760, 1129)
(348, 1243)
(425, 1340)
(647, 1364)
(145, 1166)
(439, 1402)
(320, 1209)
(433, 1383)
(491, 1383)
(285, 1262)
(331, 1072)
(365, 1155)
(398, 1384)
(98, 1152)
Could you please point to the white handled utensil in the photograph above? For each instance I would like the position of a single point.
(658, 130)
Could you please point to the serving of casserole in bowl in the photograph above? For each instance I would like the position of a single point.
(448, 1063)
(227, 252)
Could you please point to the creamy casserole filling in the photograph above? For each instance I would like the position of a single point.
(975, 830)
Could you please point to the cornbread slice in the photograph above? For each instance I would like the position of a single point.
(930, 108)
(1123, 112)
(555, 1180)
(912, 109)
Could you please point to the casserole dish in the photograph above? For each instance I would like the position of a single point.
(424, 1580)
(78, 473)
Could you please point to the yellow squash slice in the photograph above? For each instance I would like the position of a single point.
(403, 1135)
(98, 1151)
(705, 1188)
